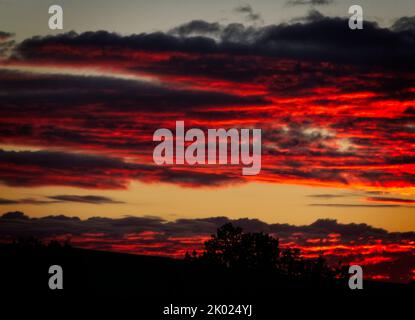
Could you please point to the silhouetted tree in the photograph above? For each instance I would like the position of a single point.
(291, 263)
(232, 249)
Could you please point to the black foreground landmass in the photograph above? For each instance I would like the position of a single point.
(24, 271)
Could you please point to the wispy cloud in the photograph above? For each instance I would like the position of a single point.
(85, 199)
(326, 196)
(249, 12)
(309, 2)
(91, 199)
(346, 205)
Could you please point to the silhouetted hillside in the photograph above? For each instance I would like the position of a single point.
(24, 270)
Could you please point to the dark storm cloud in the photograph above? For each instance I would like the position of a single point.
(37, 168)
(100, 107)
(108, 93)
(157, 42)
(324, 39)
(26, 168)
(62, 160)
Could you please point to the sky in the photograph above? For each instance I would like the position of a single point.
(336, 107)
(27, 18)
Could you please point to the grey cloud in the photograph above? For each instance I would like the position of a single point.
(251, 15)
(326, 196)
(94, 171)
(197, 27)
(18, 224)
(7, 201)
(5, 35)
(6, 44)
(85, 199)
(91, 199)
(25, 201)
(391, 199)
(322, 39)
(404, 24)
(309, 2)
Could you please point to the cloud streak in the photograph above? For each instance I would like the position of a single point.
(347, 205)
(251, 15)
(391, 200)
(309, 2)
(90, 199)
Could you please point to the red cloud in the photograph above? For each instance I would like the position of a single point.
(329, 117)
(390, 200)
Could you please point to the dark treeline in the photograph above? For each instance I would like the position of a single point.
(233, 264)
(235, 250)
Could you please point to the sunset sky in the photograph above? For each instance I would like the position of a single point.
(78, 109)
